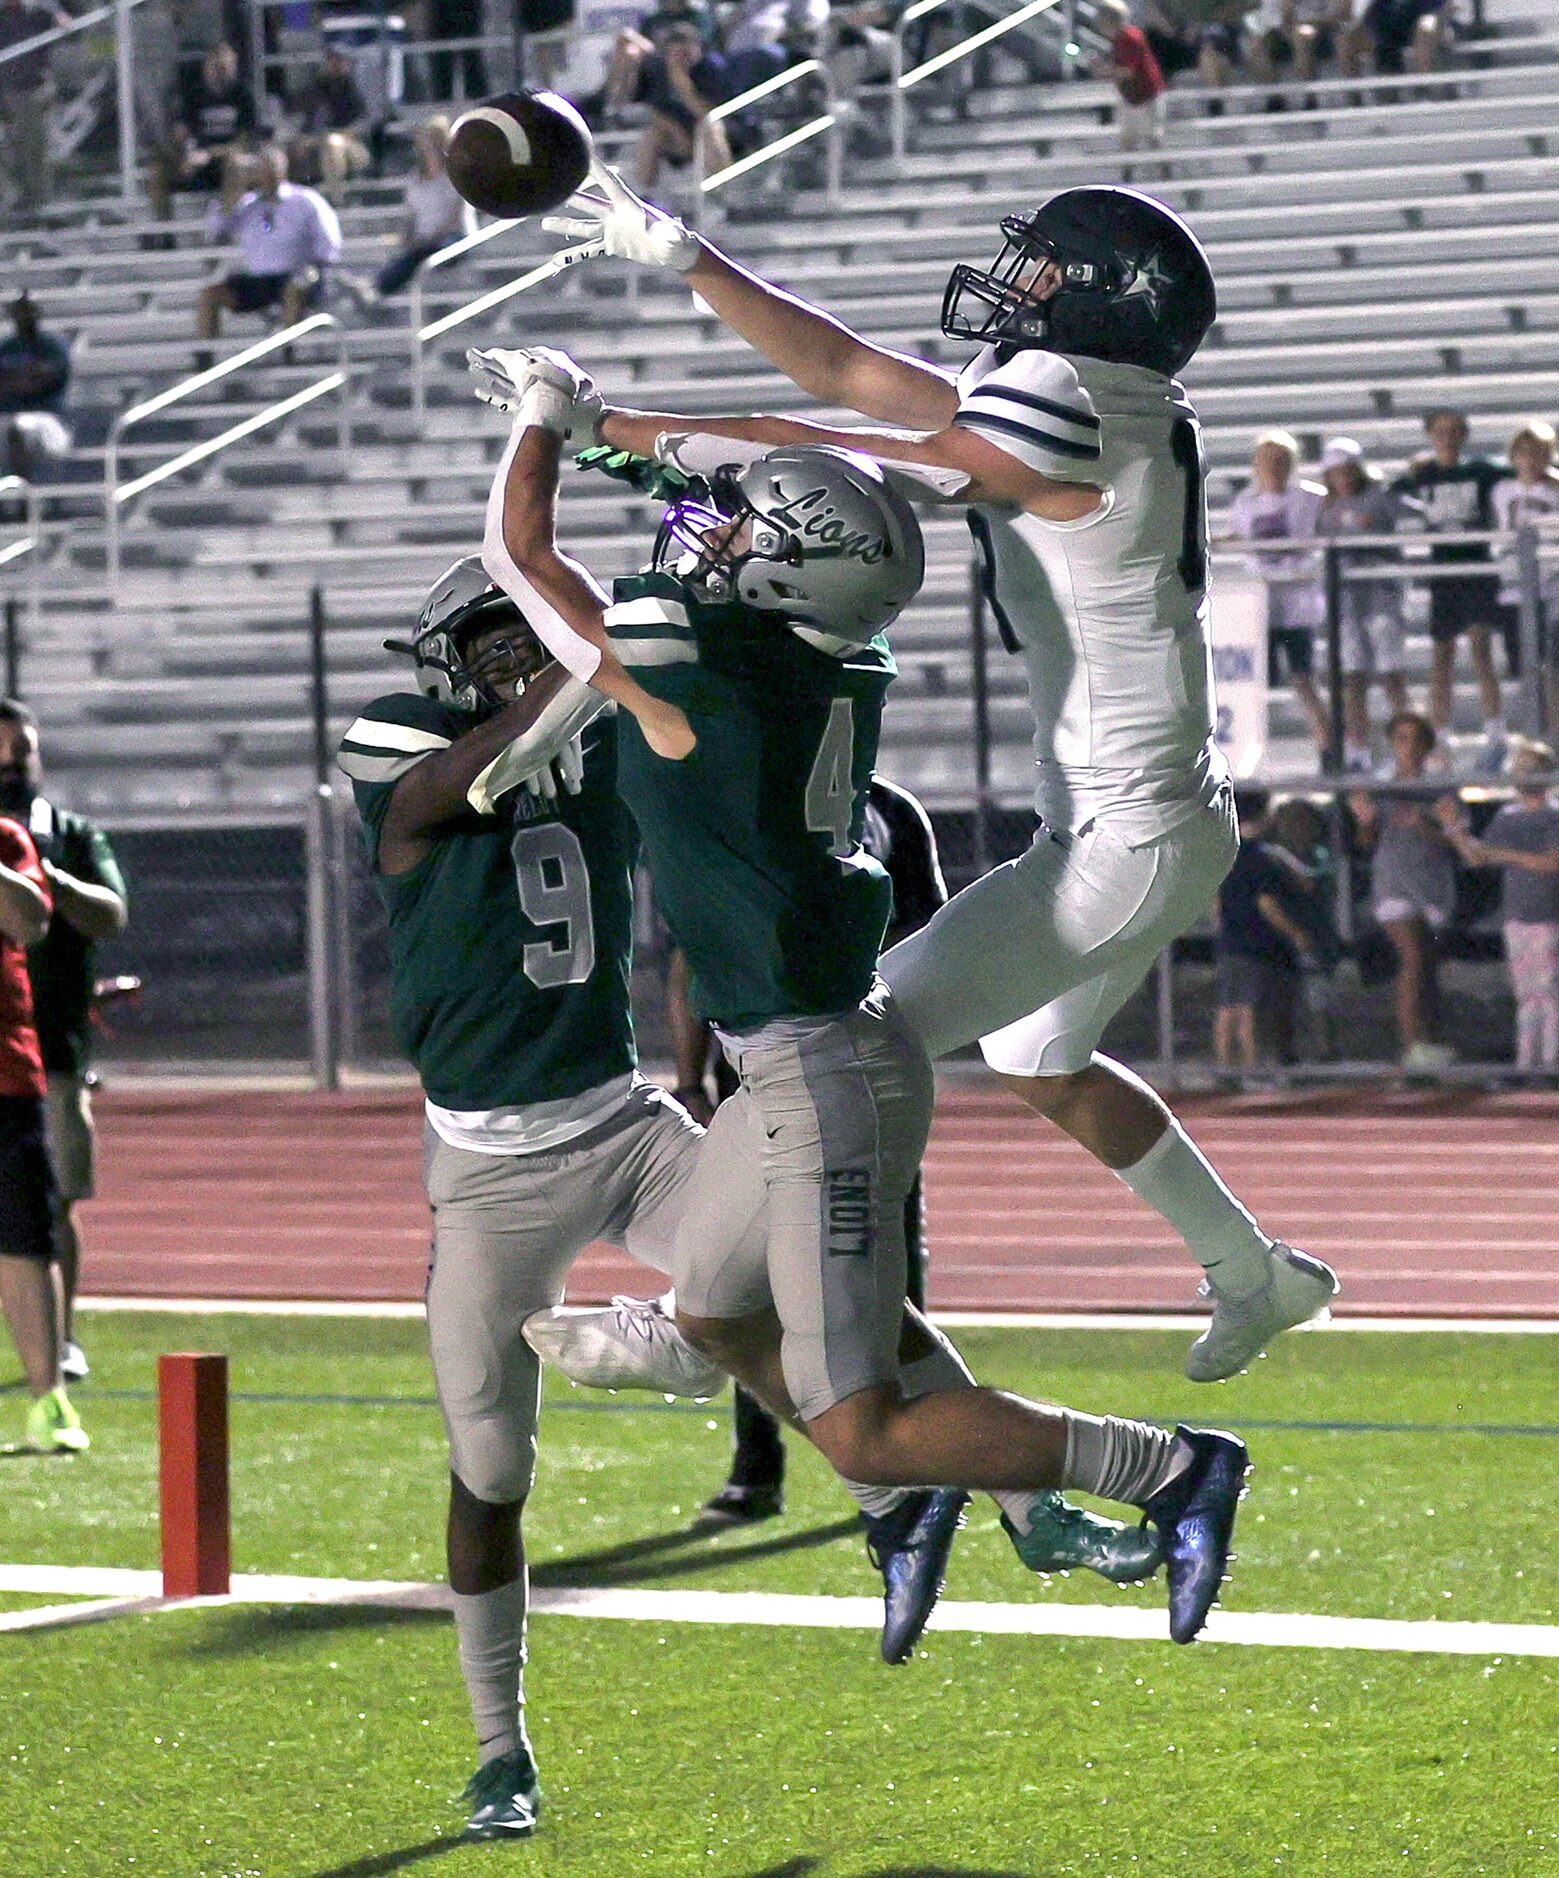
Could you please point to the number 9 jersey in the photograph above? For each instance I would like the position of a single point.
(511, 941)
(1109, 614)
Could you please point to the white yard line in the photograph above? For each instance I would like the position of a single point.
(128, 1591)
(955, 1320)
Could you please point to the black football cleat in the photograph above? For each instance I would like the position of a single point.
(739, 1505)
(910, 1546)
(1194, 1516)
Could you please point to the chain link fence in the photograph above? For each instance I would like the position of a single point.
(261, 944)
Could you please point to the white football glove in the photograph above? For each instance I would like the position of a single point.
(569, 401)
(607, 217)
(564, 774)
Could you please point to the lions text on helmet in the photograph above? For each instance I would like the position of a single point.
(815, 535)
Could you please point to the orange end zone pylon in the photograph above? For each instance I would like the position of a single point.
(192, 1443)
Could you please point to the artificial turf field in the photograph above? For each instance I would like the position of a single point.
(1414, 1478)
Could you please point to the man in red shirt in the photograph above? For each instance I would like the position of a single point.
(27, 1284)
(1138, 77)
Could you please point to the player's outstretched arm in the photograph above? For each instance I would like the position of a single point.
(563, 605)
(951, 464)
(813, 349)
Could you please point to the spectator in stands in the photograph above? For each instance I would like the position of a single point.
(1131, 66)
(435, 214)
(1278, 505)
(1530, 498)
(328, 146)
(1523, 842)
(682, 83)
(762, 37)
(1261, 940)
(1302, 34)
(858, 47)
(27, 1284)
(1298, 836)
(25, 92)
(1358, 503)
(34, 377)
(1406, 35)
(1413, 886)
(88, 892)
(1204, 34)
(211, 119)
(1456, 494)
(288, 235)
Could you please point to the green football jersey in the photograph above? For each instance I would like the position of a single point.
(63, 964)
(755, 838)
(511, 941)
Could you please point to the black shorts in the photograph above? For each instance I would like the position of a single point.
(1290, 653)
(1461, 602)
(26, 1180)
(256, 293)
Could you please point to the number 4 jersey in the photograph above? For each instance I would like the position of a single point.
(510, 942)
(1109, 614)
(755, 838)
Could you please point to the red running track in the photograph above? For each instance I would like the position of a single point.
(1427, 1204)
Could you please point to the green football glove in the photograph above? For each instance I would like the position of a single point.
(658, 480)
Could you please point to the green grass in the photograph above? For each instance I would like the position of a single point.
(297, 1743)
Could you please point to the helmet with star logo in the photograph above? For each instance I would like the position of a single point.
(1099, 272)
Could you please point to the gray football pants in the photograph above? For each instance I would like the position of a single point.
(1037, 956)
(506, 1228)
(827, 1129)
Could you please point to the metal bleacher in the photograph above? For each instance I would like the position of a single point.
(1380, 248)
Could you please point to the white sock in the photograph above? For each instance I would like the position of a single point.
(490, 1629)
(1179, 1182)
(1120, 1460)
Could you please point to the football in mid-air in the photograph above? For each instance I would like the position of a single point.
(520, 154)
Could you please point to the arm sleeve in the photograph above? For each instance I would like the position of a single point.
(696, 453)
(570, 648)
(1035, 408)
(563, 718)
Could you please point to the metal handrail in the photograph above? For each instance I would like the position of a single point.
(755, 159)
(901, 80)
(115, 493)
(828, 121)
(81, 23)
(119, 11)
(29, 543)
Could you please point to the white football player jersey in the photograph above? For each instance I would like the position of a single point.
(1109, 613)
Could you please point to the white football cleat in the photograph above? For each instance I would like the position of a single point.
(1300, 1291)
(631, 1343)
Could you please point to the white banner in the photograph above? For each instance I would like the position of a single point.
(1238, 630)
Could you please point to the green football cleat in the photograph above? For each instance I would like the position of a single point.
(1062, 1537)
(504, 1796)
(54, 1427)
